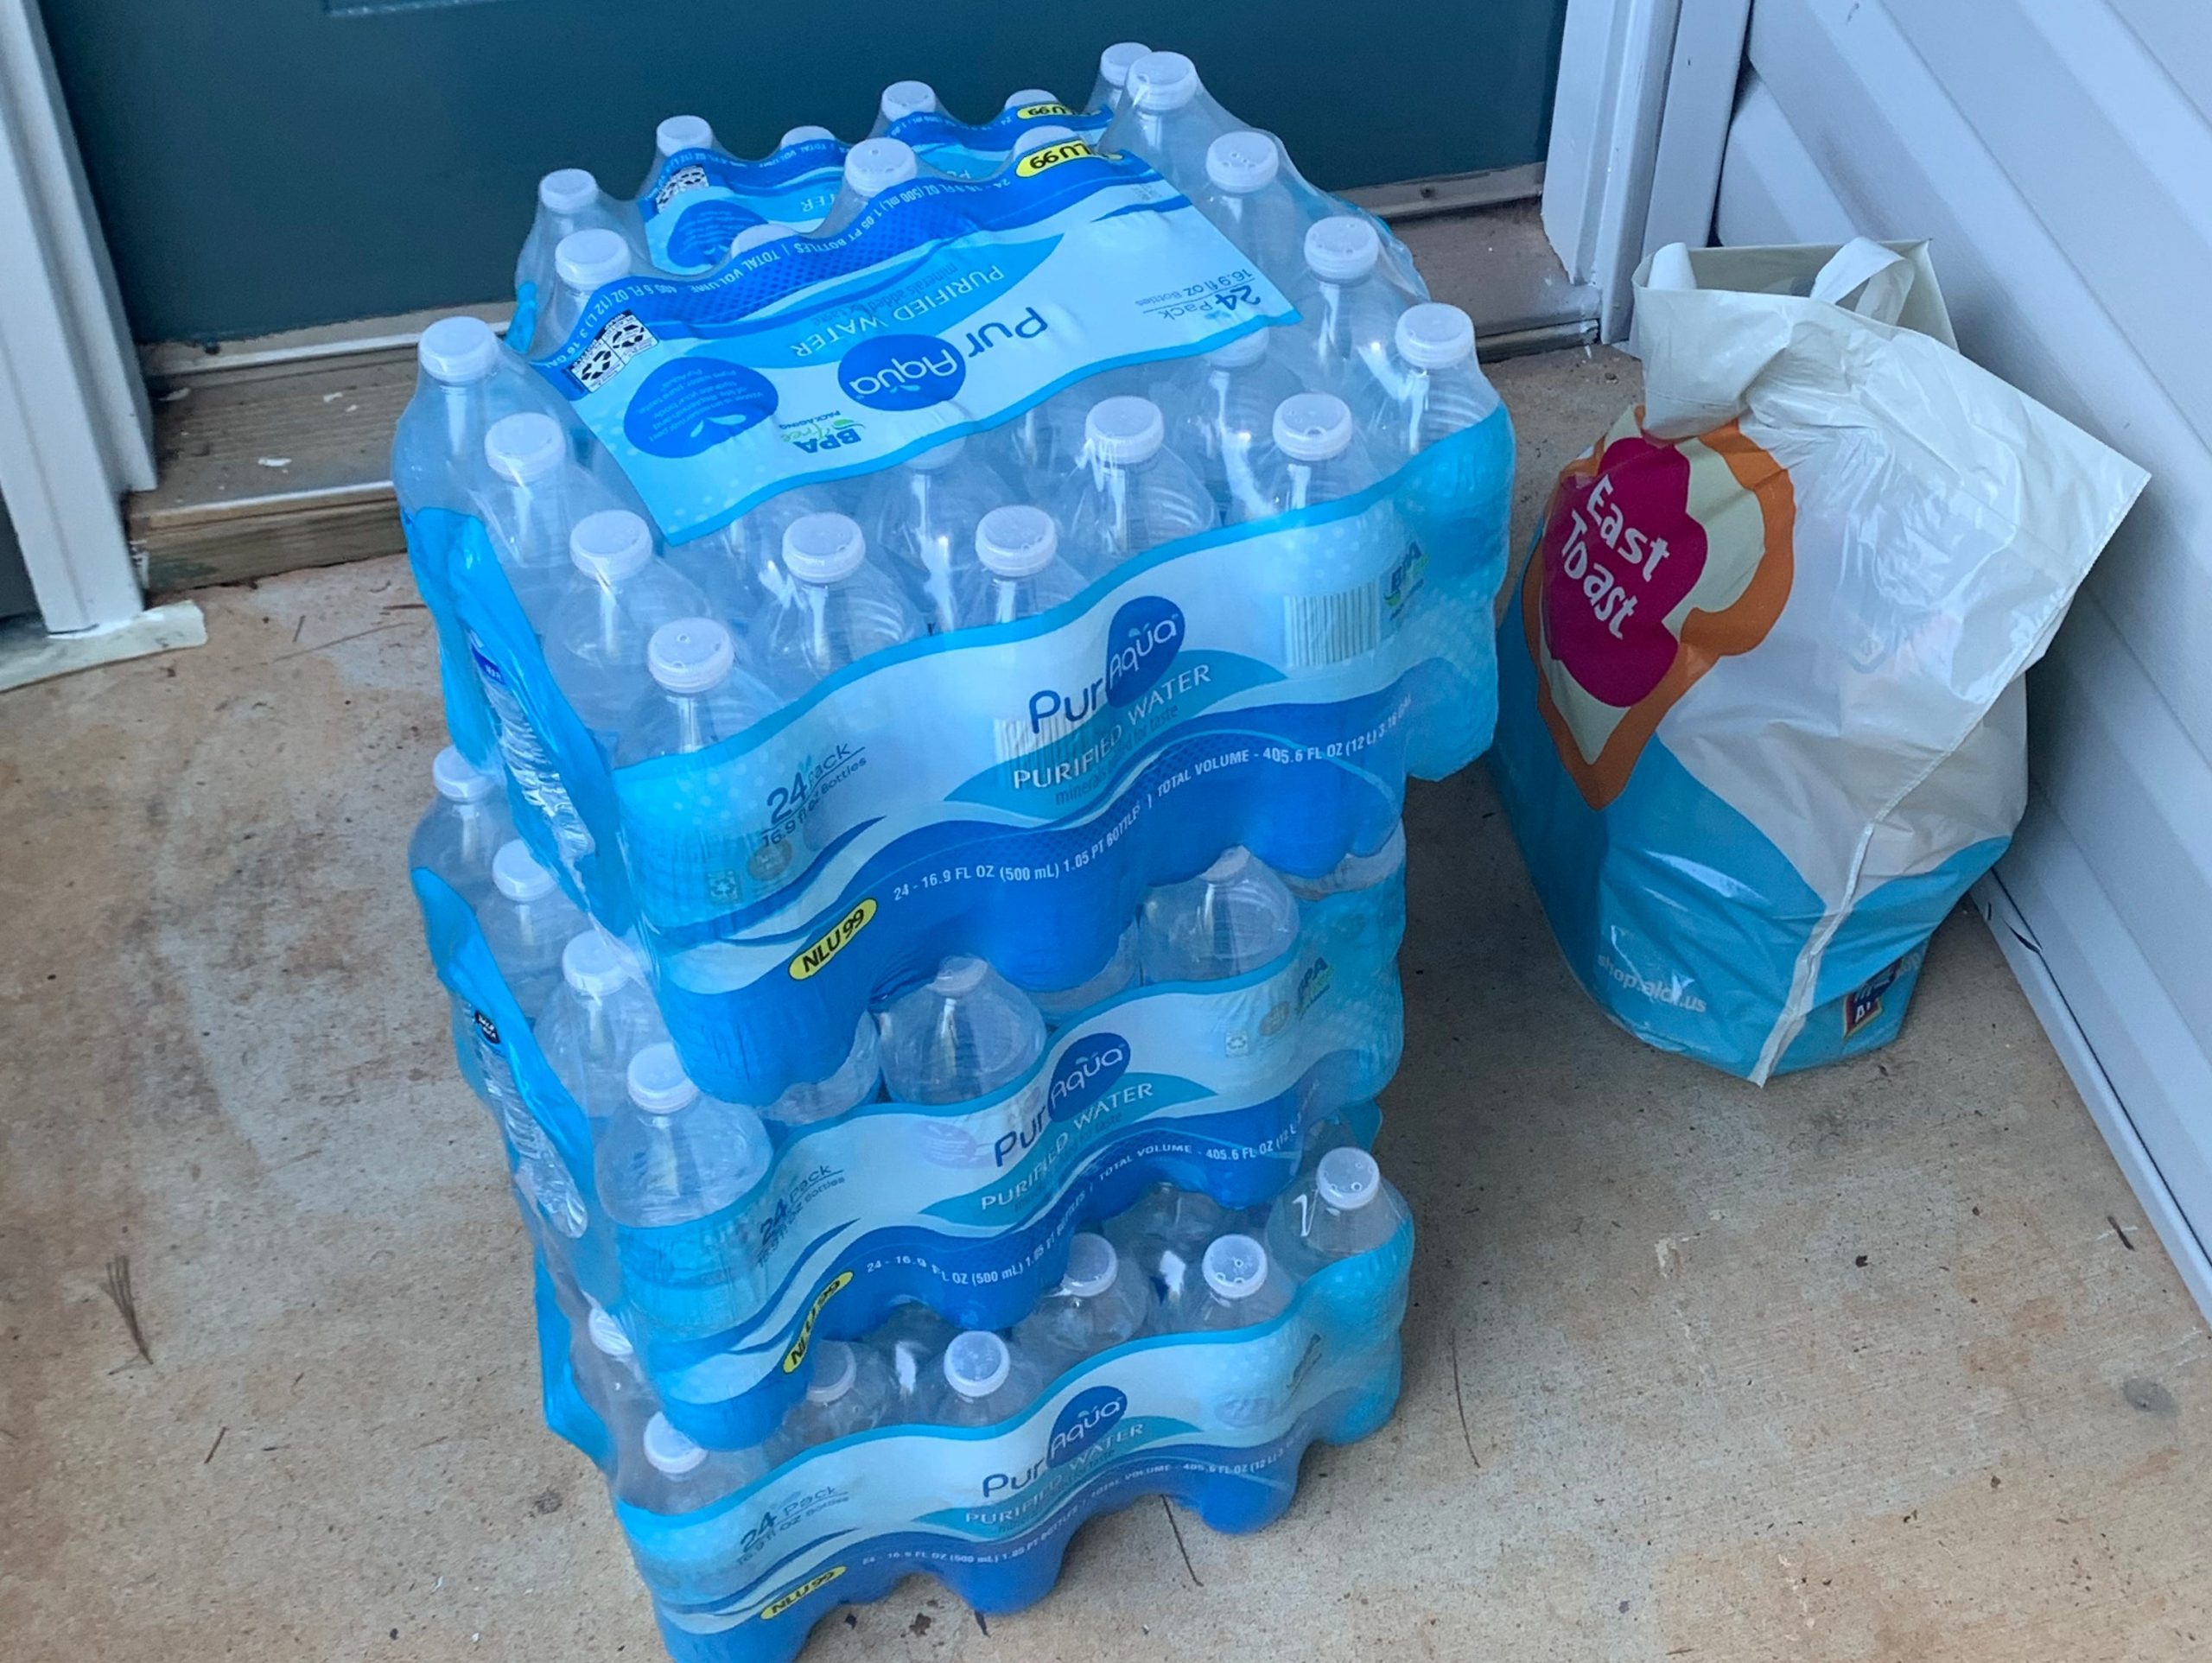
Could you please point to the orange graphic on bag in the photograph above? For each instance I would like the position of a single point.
(1657, 559)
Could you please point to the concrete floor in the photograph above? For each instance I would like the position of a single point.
(1878, 1364)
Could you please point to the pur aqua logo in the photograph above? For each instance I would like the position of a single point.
(1146, 635)
(1089, 1416)
(902, 372)
(1091, 1069)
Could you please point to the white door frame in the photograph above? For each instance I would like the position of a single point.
(1646, 88)
(75, 434)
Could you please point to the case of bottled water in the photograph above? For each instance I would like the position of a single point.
(934, 634)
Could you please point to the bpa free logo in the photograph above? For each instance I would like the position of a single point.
(902, 372)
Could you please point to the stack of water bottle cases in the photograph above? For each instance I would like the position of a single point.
(934, 635)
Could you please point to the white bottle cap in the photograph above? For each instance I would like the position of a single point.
(1235, 1266)
(1113, 62)
(1241, 163)
(1161, 81)
(611, 545)
(938, 456)
(754, 236)
(1092, 1266)
(976, 1363)
(1434, 336)
(1342, 249)
(835, 1369)
(907, 98)
(1038, 138)
(587, 260)
(1240, 353)
(459, 780)
(824, 547)
(567, 190)
(683, 133)
(1027, 95)
(1312, 427)
(458, 350)
(1229, 865)
(1347, 1179)
(1125, 430)
(657, 1083)
(519, 874)
(593, 965)
(690, 655)
(525, 448)
(805, 134)
(874, 165)
(668, 1449)
(958, 976)
(1016, 541)
(607, 1335)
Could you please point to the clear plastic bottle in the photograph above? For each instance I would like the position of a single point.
(570, 200)
(1439, 387)
(677, 1477)
(1163, 1236)
(584, 262)
(872, 167)
(1341, 1210)
(1167, 120)
(1233, 917)
(1225, 420)
(596, 1021)
(1333, 597)
(851, 1391)
(1119, 975)
(1241, 1288)
(536, 492)
(700, 695)
(595, 639)
(1018, 571)
(1317, 455)
(921, 519)
(901, 100)
(1099, 1303)
(1351, 311)
(910, 1340)
(981, 1381)
(1028, 97)
(1132, 493)
(960, 1036)
(527, 923)
(1247, 197)
(465, 827)
(612, 1384)
(672, 138)
(811, 1102)
(1110, 92)
(467, 382)
(806, 133)
(840, 608)
(673, 1155)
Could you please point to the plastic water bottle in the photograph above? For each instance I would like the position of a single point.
(901, 100)
(1317, 455)
(467, 382)
(1042, 138)
(960, 1036)
(700, 696)
(1341, 1210)
(612, 1384)
(841, 607)
(466, 827)
(1018, 571)
(872, 167)
(910, 1340)
(1247, 197)
(1233, 917)
(570, 200)
(535, 494)
(1333, 596)
(1110, 92)
(921, 519)
(1439, 389)
(1239, 1288)
(673, 1155)
(1119, 975)
(584, 262)
(527, 924)
(981, 1381)
(851, 1391)
(596, 1021)
(596, 637)
(1099, 1303)
(1166, 120)
(1163, 1236)
(1028, 97)
(1352, 308)
(1224, 419)
(854, 1083)
(670, 139)
(680, 1477)
(1133, 493)
(806, 133)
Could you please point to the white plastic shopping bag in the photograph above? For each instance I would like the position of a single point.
(1762, 719)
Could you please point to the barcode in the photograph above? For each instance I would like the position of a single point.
(693, 178)
(1018, 737)
(622, 340)
(1329, 629)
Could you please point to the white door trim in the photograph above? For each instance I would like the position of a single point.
(75, 434)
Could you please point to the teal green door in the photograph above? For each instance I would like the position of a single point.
(263, 164)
